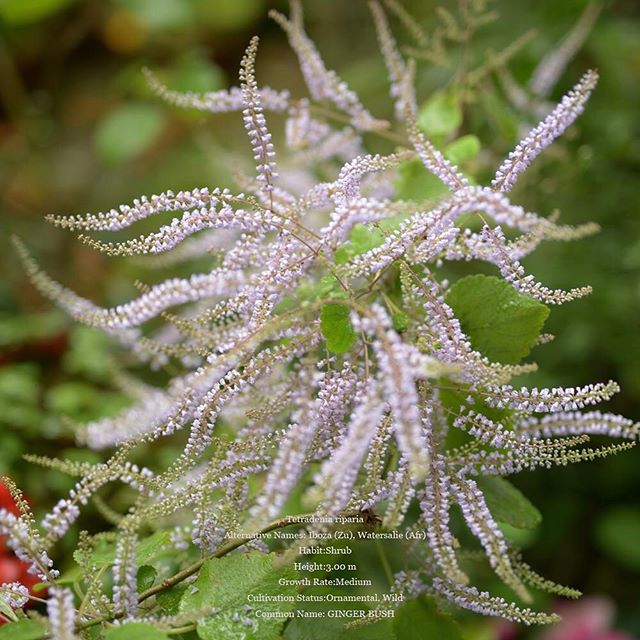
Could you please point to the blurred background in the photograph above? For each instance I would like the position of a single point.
(80, 131)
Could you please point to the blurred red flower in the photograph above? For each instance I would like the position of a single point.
(12, 569)
(6, 502)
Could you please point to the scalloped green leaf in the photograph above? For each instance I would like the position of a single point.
(145, 577)
(226, 584)
(169, 600)
(501, 323)
(508, 504)
(336, 327)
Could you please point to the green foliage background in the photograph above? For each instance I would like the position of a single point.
(79, 131)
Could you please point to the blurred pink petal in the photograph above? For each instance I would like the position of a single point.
(588, 619)
(506, 630)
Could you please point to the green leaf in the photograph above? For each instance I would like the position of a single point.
(148, 548)
(414, 182)
(70, 576)
(501, 323)
(363, 238)
(519, 538)
(336, 327)
(327, 288)
(343, 253)
(440, 115)
(400, 321)
(19, 12)
(169, 600)
(392, 222)
(135, 631)
(7, 610)
(152, 546)
(41, 586)
(618, 533)
(421, 620)
(226, 585)
(128, 131)
(508, 504)
(145, 577)
(22, 630)
(464, 148)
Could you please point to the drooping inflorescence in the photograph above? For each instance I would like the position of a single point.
(325, 340)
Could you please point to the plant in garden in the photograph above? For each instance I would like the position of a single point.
(325, 356)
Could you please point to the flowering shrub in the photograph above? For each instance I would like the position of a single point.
(326, 359)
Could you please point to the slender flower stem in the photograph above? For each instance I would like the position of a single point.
(338, 117)
(388, 572)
